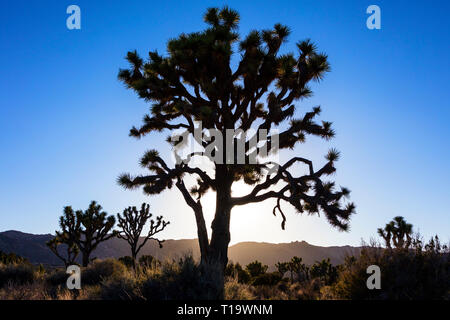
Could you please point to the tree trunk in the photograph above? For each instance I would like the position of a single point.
(134, 256)
(220, 237)
(217, 256)
(202, 233)
(85, 261)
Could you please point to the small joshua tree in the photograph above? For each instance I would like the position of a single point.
(131, 223)
(325, 271)
(84, 229)
(282, 267)
(296, 266)
(397, 233)
(386, 233)
(256, 268)
(72, 251)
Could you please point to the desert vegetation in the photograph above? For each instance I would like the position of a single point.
(195, 83)
(419, 271)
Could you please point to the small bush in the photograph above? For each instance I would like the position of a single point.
(57, 278)
(256, 269)
(236, 271)
(181, 280)
(123, 288)
(101, 270)
(149, 261)
(16, 274)
(127, 261)
(29, 291)
(11, 258)
(234, 290)
(266, 279)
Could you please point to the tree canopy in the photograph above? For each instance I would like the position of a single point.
(196, 81)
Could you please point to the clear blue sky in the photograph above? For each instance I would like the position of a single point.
(64, 117)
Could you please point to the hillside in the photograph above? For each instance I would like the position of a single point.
(34, 249)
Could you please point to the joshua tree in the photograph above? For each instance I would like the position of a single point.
(72, 251)
(282, 267)
(197, 83)
(398, 232)
(149, 261)
(131, 224)
(403, 231)
(85, 229)
(324, 270)
(386, 233)
(256, 268)
(297, 267)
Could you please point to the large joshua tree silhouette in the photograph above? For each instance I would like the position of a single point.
(196, 82)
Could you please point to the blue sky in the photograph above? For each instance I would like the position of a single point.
(64, 117)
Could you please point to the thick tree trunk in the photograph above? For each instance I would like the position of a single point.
(85, 258)
(220, 237)
(214, 253)
(217, 254)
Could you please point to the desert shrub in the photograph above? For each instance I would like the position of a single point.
(149, 261)
(270, 293)
(307, 290)
(236, 271)
(101, 270)
(266, 279)
(126, 287)
(234, 290)
(28, 291)
(127, 261)
(57, 277)
(11, 258)
(256, 268)
(415, 273)
(325, 271)
(16, 274)
(181, 280)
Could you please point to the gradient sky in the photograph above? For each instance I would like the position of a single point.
(64, 117)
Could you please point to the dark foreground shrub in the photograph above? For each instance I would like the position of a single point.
(101, 270)
(181, 280)
(123, 288)
(127, 261)
(236, 271)
(256, 268)
(405, 274)
(149, 261)
(57, 278)
(16, 274)
(11, 258)
(266, 279)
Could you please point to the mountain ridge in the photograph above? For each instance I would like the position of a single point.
(32, 247)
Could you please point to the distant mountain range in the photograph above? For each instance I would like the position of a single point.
(33, 247)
